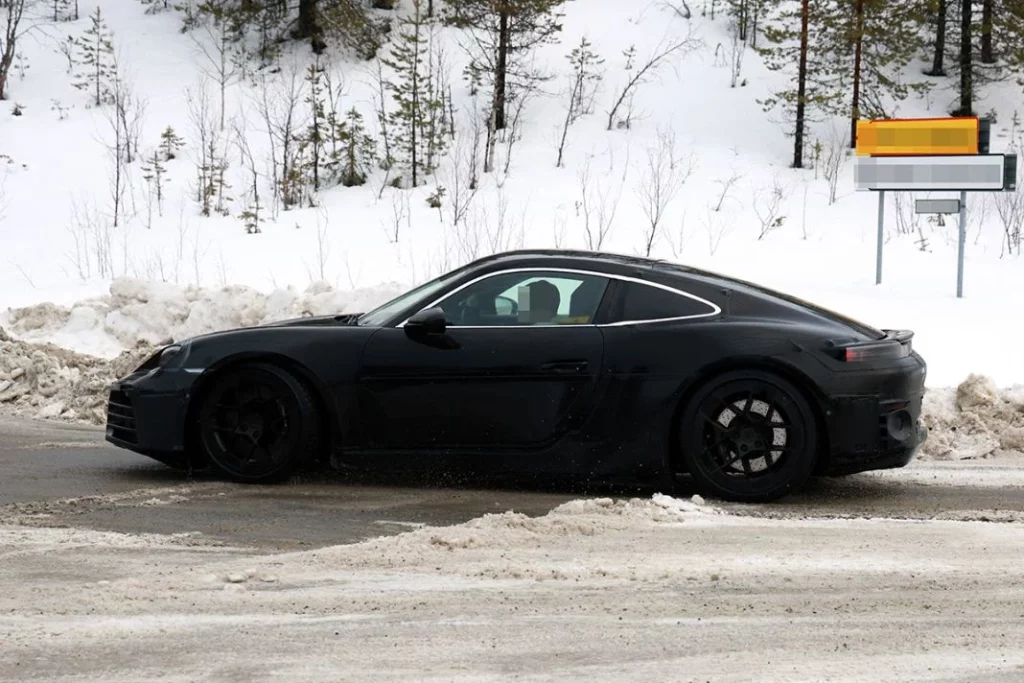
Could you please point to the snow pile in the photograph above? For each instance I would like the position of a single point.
(47, 381)
(155, 313)
(515, 546)
(974, 420)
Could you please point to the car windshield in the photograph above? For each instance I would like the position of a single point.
(383, 313)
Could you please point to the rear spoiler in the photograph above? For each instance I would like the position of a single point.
(895, 344)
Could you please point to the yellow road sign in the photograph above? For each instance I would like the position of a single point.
(910, 137)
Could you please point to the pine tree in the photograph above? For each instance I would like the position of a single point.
(313, 141)
(797, 36)
(585, 65)
(358, 150)
(940, 15)
(876, 40)
(410, 122)
(170, 143)
(96, 59)
(966, 62)
(252, 218)
(153, 172)
(506, 32)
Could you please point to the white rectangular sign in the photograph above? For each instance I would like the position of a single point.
(923, 173)
(937, 206)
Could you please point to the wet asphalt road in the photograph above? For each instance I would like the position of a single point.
(60, 475)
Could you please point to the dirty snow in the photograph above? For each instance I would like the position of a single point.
(625, 590)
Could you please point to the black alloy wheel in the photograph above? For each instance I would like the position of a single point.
(749, 436)
(258, 424)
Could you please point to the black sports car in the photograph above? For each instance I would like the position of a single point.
(543, 363)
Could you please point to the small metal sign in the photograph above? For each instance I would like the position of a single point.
(941, 206)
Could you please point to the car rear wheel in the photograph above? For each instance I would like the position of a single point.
(258, 424)
(749, 436)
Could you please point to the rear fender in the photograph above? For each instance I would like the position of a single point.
(688, 387)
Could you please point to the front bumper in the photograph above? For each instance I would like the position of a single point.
(146, 414)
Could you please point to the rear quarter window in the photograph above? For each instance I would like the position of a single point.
(643, 302)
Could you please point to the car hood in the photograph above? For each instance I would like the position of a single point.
(316, 320)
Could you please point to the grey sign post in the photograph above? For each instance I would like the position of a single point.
(881, 237)
(963, 173)
(960, 246)
(950, 206)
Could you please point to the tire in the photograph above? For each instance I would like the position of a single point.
(258, 424)
(770, 453)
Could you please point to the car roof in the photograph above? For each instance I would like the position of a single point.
(600, 261)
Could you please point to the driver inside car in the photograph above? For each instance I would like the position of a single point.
(543, 301)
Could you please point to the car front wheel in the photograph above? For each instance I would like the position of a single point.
(258, 423)
(749, 436)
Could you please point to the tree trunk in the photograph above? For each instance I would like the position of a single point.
(858, 44)
(500, 69)
(987, 57)
(309, 25)
(966, 61)
(938, 68)
(801, 89)
(753, 23)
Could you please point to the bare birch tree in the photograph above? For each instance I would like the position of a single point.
(663, 177)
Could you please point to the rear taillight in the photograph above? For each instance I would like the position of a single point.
(885, 350)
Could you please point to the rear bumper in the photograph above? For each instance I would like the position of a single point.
(146, 414)
(878, 425)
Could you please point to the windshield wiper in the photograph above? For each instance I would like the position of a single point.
(348, 318)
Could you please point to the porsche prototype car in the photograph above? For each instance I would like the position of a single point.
(543, 363)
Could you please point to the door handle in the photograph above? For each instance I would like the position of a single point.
(565, 366)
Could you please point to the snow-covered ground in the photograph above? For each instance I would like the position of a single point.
(626, 590)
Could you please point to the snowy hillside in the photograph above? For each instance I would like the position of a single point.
(731, 166)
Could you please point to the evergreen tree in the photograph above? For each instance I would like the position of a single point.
(797, 35)
(313, 141)
(414, 139)
(939, 11)
(966, 62)
(97, 67)
(358, 150)
(506, 31)
(153, 172)
(170, 143)
(876, 40)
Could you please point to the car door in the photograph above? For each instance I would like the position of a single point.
(512, 370)
(655, 341)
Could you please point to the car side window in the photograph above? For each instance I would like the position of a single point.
(526, 298)
(640, 302)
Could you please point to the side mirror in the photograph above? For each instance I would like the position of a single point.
(427, 321)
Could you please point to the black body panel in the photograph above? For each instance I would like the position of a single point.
(600, 399)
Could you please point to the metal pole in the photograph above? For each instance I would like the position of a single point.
(881, 236)
(960, 254)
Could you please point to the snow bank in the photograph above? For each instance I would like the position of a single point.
(47, 381)
(509, 546)
(141, 311)
(974, 420)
